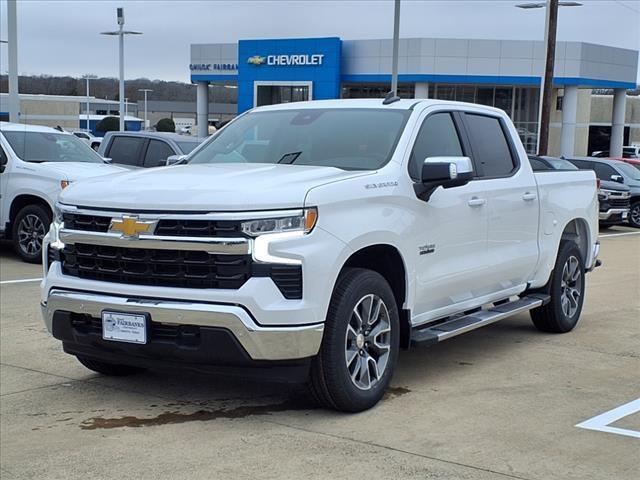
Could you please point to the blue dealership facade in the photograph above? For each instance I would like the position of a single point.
(501, 73)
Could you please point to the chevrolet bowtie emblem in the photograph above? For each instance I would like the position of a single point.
(131, 226)
(256, 60)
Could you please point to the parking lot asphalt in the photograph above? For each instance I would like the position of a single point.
(499, 402)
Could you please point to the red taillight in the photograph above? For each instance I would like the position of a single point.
(598, 183)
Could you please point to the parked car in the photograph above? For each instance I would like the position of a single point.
(631, 161)
(613, 197)
(36, 164)
(93, 141)
(313, 240)
(617, 171)
(628, 151)
(146, 149)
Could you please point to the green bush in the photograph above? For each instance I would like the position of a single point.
(165, 125)
(108, 124)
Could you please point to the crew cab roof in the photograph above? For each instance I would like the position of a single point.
(373, 103)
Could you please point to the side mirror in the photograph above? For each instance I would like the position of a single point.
(3, 162)
(617, 178)
(174, 159)
(445, 172)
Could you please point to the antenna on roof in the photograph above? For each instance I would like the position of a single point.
(390, 98)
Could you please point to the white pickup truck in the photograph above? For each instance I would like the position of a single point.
(36, 163)
(314, 240)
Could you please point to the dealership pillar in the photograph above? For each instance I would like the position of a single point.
(422, 90)
(617, 122)
(202, 108)
(569, 116)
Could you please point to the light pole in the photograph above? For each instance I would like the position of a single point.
(546, 82)
(88, 77)
(14, 97)
(396, 41)
(121, 33)
(145, 90)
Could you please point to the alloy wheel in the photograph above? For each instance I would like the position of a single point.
(368, 342)
(635, 214)
(31, 232)
(571, 286)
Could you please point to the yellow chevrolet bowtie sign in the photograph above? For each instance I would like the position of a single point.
(130, 226)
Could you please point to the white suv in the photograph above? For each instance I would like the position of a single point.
(36, 163)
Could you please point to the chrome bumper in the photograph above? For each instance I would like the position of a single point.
(261, 343)
(595, 262)
(624, 212)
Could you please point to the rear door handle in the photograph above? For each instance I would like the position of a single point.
(476, 202)
(527, 197)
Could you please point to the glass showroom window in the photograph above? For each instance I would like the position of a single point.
(375, 90)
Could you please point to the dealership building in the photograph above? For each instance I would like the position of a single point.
(501, 73)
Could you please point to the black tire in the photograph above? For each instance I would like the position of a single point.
(330, 378)
(28, 229)
(110, 369)
(634, 214)
(558, 316)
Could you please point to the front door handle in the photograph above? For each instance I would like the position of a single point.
(476, 202)
(527, 197)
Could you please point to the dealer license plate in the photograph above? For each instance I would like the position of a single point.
(124, 327)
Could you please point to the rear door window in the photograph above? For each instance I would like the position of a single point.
(491, 150)
(157, 153)
(437, 137)
(125, 150)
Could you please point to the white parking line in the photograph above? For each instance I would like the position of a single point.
(619, 234)
(23, 280)
(602, 421)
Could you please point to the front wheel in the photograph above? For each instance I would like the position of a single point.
(360, 345)
(29, 228)
(634, 214)
(567, 288)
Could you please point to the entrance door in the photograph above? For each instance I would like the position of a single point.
(271, 93)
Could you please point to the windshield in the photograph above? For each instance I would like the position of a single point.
(350, 139)
(187, 147)
(629, 171)
(50, 147)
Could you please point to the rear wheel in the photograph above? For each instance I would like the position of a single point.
(567, 287)
(360, 346)
(29, 228)
(110, 369)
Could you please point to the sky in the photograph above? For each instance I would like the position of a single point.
(62, 37)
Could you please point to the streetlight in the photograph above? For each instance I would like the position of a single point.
(396, 41)
(145, 90)
(121, 33)
(12, 24)
(546, 83)
(88, 77)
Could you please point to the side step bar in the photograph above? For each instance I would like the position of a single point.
(457, 325)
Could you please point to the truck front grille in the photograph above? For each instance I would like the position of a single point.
(165, 227)
(174, 268)
(619, 202)
(167, 268)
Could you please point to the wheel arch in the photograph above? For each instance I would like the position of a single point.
(577, 230)
(386, 260)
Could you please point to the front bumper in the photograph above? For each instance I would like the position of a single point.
(259, 342)
(614, 214)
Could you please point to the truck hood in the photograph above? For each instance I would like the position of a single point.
(73, 171)
(207, 187)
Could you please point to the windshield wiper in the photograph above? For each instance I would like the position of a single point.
(289, 158)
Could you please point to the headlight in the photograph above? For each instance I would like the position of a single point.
(302, 222)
